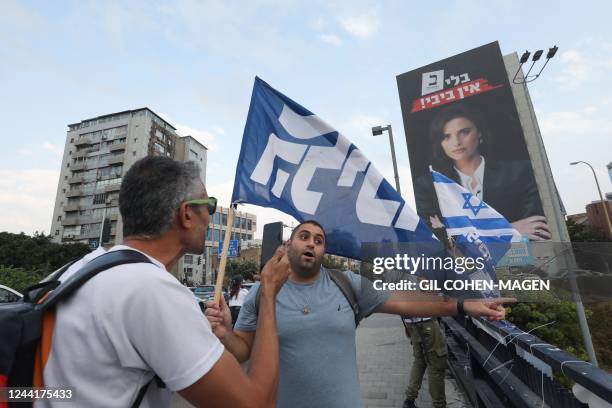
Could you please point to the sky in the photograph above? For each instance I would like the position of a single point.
(194, 62)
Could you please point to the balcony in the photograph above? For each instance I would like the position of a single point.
(79, 166)
(74, 193)
(71, 207)
(83, 141)
(118, 159)
(75, 180)
(70, 221)
(117, 146)
(112, 187)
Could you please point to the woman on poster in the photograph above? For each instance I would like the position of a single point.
(459, 136)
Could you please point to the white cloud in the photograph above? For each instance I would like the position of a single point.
(580, 67)
(203, 136)
(55, 149)
(331, 39)
(26, 199)
(363, 25)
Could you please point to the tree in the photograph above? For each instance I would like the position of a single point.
(25, 260)
(246, 269)
(584, 233)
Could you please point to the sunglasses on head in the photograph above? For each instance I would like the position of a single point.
(211, 202)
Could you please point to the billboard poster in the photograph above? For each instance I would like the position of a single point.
(460, 118)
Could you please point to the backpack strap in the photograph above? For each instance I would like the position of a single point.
(342, 282)
(143, 390)
(91, 269)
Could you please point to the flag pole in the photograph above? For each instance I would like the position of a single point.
(225, 250)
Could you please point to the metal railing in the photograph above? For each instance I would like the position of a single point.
(499, 365)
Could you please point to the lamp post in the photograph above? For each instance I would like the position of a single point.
(377, 131)
(603, 202)
(536, 56)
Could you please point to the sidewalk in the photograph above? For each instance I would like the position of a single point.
(384, 356)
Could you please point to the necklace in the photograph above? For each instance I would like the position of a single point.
(306, 307)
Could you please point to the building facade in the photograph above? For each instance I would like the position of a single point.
(97, 153)
(244, 228)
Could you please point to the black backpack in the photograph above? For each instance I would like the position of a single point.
(342, 282)
(22, 345)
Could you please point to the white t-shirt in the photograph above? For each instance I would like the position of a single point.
(239, 299)
(121, 327)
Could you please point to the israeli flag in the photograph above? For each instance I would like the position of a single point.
(478, 230)
(293, 161)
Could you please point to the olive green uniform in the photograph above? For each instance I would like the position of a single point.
(429, 351)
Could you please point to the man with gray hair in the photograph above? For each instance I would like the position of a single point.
(136, 321)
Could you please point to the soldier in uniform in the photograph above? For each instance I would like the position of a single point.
(429, 351)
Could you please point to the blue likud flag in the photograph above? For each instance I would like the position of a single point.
(293, 161)
(479, 231)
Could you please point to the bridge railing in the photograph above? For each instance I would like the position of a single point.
(499, 365)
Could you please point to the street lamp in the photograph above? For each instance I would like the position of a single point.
(603, 202)
(377, 131)
(536, 56)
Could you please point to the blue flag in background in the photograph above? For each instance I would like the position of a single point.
(293, 161)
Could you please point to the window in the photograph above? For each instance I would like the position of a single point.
(249, 225)
(188, 259)
(7, 296)
(56, 232)
(243, 223)
(59, 218)
(224, 219)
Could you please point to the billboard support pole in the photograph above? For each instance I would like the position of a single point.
(560, 224)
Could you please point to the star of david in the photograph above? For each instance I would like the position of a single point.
(468, 205)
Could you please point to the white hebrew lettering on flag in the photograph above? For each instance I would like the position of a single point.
(303, 127)
(356, 162)
(369, 209)
(276, 147)
(318, 157)
(372, 210)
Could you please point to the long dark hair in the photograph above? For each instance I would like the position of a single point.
(440, 161)
(235, 288)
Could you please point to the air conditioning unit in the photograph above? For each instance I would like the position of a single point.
(70, 236)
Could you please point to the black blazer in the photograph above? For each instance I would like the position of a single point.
(509, 187)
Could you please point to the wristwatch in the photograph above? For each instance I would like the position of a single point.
(460, 309)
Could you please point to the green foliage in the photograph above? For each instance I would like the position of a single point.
(25, 260)
(584, 233)
(19, 278)
(564, 333)
(331, 263)
(246, 269)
